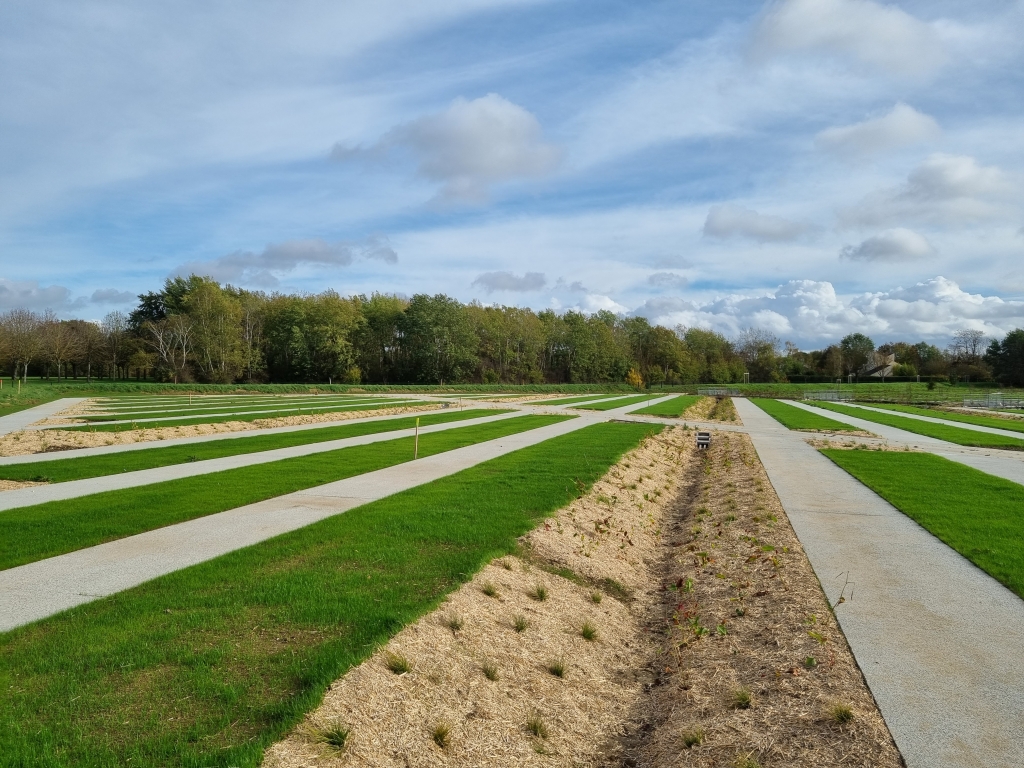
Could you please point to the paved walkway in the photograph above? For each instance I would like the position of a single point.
(938, 640)
(943, 422)
(40, 494)
(1006, 464)
(34, 591)
(20, 420)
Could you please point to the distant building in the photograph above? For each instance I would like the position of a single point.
(878, 365)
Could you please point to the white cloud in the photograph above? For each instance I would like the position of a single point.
(944, 190)
(264, 268)
(729, 220)
(898, 244)
(470, 146)
(506, 281)
(902, 126)
(810, 311)
(111, 296)
(881, 36)
(29, 294)
(669, 280)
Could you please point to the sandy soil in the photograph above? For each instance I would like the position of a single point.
(667, 536)
(13, 485)
(713, 409)
(852, 445)
(44, 441)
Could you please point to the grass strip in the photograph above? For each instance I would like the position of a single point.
(247, 417)
(674, 408)
(620, 403)
(938, 431)
(210, 665)
(570, 400)
(975, 513)
(64, 470)
(792, 417)
(963, 418)
(228, 409)
(33, 533)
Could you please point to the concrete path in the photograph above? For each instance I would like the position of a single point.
(34, 591)
(102, 450)
(40, 494)
(938, 640)
(16, 422)
(943, 422)
(1006, 464)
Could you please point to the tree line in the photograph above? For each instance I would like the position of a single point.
(195, 329)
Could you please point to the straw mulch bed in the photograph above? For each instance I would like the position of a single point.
(754, 668)
(713, 409)
(13, 485)
(44, 441)
(863, 445)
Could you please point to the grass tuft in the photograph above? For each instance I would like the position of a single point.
(520, 623)
(453, 621)
(693, 738)
(557, 667)
(397, 663)
(740, 699)
(490, 670)
(596, 597)
(539, 593)
(746, 761)
(334, 736)
(489, 589)
(442, 734)
(536, 726)
(840, 713)
(588, 631)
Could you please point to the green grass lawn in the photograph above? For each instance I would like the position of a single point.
(570, 400)
(63, 470)
(963, 418)
(621, 403)
(673, 408)
(186, 421)
(938, 431)
(978, 515)
(33, 533)
(210, 665)
(792, 417)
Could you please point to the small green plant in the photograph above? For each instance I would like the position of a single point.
(397, 663)
(506, 564)
(334, 736)
(489, 589)
(490, 670)
(520, 623)
(40, 479)
(557, 668)
(536, 726)
(688, 585)
(746, 762)
(442, 734)
(693, 738)
(740, 699)
(588, 631)
(810, 662)
(740, 611)
(721, 629)
(453, 621)
(539, 593)
(840, 713)
(596, 597)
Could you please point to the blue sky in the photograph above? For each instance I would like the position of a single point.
(807, 166)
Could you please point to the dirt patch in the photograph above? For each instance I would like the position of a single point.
(753, 665)
(45, 441)
(719, 409)
(853, 445)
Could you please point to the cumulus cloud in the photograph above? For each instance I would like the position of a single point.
(811, 312)
(898, 244)
(902, 126)
(29, 294)
(471, 146)
(943, 190)
(882, 36)
(574, 287)
(111, 296)
(729, 220)
(265, 267)
(506, 281)
(669, 280)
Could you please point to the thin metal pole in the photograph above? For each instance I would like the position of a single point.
(416, 441)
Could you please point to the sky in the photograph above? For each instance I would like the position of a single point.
(809, 167)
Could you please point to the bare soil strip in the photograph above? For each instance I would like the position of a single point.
(685, 574)
(713, 409)
(44, 441)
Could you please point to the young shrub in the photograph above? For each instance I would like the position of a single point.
(740, 699)
(519, 623)
(557, 668)
(840, 713)
(539, 593)
(442, 734)
(397, 663)
(489, 589)
(588, 632)
(490, 670)
(536, 726)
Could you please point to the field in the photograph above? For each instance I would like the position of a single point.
(976, 514)
(621, 402)
(792, 417)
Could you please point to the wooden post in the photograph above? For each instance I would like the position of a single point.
(416, 441)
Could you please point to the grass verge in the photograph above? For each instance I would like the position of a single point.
(32, 533)
(1009, 425)
(268, 404)
(792, 417)
(570, 400)
(674, 408)
(976, 514)
(938, 431)
(208, 666)
(620, 403)
(63, 470)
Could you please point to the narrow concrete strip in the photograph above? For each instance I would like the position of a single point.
(40, 494)
(943, 422)
(16, 422)
(1006, 464)
(937, 639)
(102, 450)
(37, 590)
